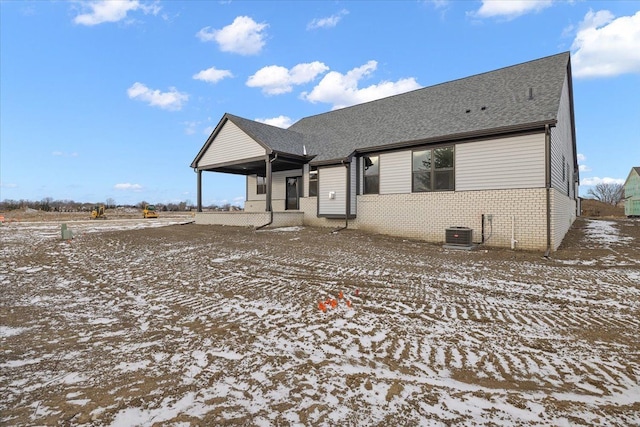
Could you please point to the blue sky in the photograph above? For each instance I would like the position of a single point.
(114, 99)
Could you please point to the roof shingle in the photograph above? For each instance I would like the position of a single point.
(440, 111)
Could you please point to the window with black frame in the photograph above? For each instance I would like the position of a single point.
(261, 185)
(433, 169)
(371, 174)
(313, 181)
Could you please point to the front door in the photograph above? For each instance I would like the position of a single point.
(294, 187)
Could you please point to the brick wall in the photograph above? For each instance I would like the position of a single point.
(249, 219)
(563, 213)
(426, 216)
(240, 219)
(309, 205)
(260, 205)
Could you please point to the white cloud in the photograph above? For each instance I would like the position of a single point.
(605, 46)
(171, 100)
(244, 36)
(595, 181)
(581, 166)
(63, 154)
(193, 127)
(281, 121)
(8, 185)
(342, 90)
(112, 11)
(276, 80)
(328, 22)
(510, 9)
(190, 127)
(439, 4)
(212, 75)
(128, 187)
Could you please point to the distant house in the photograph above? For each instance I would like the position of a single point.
(632, 193)
(494, 152)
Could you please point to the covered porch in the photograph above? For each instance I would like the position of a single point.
(263, 166)
(257, 151)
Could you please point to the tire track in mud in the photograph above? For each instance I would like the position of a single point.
(543, 366)
(241, 324)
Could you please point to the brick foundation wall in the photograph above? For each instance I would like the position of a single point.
(309, 205)
(563, 214)
(238, 219)
(426, 216)
(260, 205)
(250, 219)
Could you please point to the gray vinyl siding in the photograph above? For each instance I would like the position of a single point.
(395, 172)
(506, 163)
(231, 144)
(251, 189)
(278, 183)
(562, 147)
(332, 179)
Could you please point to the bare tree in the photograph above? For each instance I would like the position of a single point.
(607, 193)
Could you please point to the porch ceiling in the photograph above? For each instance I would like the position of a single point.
(256, 167)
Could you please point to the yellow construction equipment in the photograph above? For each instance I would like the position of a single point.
(98, 212)
(149, 211)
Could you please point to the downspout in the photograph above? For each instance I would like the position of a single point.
(347, 208)
(268, 195)
(547, 163)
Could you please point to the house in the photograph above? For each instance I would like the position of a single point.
(632, 193)
(494, 152)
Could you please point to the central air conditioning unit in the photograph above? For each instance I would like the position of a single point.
(459, 236)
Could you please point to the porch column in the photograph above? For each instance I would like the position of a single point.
(199, 190)
(268, 179)
(348, 190)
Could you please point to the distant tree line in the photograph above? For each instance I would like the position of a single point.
(48, 204)
(611, 194)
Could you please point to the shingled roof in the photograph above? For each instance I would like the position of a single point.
(479, 104)
(519, 97)
(278, 139)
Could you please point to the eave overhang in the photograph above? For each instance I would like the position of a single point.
(257, 165)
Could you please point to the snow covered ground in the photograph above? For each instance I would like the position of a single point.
(138, 322)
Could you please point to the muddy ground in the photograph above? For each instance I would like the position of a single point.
(140, 322)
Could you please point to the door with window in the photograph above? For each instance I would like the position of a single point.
(294, 188)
